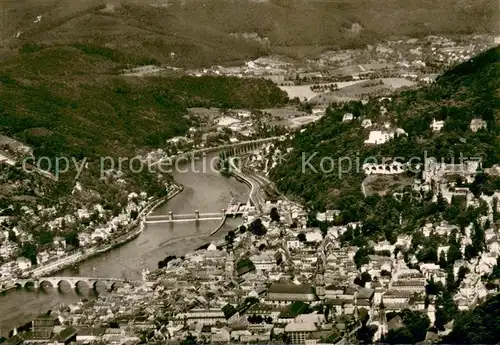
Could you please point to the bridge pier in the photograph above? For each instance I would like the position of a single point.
(223, 210)
(170, 215)
(36, 284)
(197, 215)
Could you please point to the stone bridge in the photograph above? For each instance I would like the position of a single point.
(73, 282)
(234, 149)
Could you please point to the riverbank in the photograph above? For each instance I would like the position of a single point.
(204, 190)
(134, 229)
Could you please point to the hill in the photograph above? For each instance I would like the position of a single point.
(64, 101)
(478, 326)
(194, 32)
(336, 150)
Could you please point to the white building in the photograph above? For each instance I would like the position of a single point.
(477, 124)
(437, 126)
(23, 263)
(264, 261)
(348, 117)
(379, 137)
(366, 123)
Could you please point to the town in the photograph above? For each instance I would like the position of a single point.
(284, 274)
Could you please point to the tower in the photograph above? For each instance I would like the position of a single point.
(320, 278)
(229, 269)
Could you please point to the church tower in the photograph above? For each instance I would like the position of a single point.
(229, 269)
(320, 278)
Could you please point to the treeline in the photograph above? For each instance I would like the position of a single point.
(480, 325)
(90, 113)
(337, 184)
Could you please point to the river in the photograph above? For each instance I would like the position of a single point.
(204, 190)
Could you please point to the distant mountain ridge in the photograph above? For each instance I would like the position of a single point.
(199, 32)
(470, 90)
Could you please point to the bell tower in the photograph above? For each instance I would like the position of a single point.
(320, 278)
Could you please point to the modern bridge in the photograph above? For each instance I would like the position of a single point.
(238, 209)
(73, 282)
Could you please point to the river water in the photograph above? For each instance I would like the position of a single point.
(204, 190)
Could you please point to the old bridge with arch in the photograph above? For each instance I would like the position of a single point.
(73, 282)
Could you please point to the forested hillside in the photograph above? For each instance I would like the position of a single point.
(478, 326)
(201, 33)
(469, 91)
(66, 101)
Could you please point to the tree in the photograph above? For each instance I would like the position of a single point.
(363, 316)
(366, 277)
(189, 340)
(462, 272)
(385, 273)
(12, 236)
(470, 252)
(399, 336)
(359, 281)
(454, 253)
(275, 216)
(450, 280)
(433, 288)
(45, 237)
(229, 239)
(442, 260)
(365, 334)
(72, 239)
(29, 250)
(243, 229)
(134, 214)
(440, 319)
(361, 256)
(301, 237)
(257, 228)
(480, 325)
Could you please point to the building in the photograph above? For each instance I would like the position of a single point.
(348, 117)
(201, 316)
(436, 126)
(381, 137)
(435, 171)
(413, 286)
(298, 332)
(264, 261)
(320, 278)
(283, 294)
(477, 124)
(366, 123)
(67, 336)
(23, 263)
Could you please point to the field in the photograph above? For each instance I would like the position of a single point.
(356, 90)
(285, 113)
(304, 91)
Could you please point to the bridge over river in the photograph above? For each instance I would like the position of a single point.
(73, 282)
(233, 149)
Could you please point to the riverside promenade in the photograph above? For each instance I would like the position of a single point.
(133, 230)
